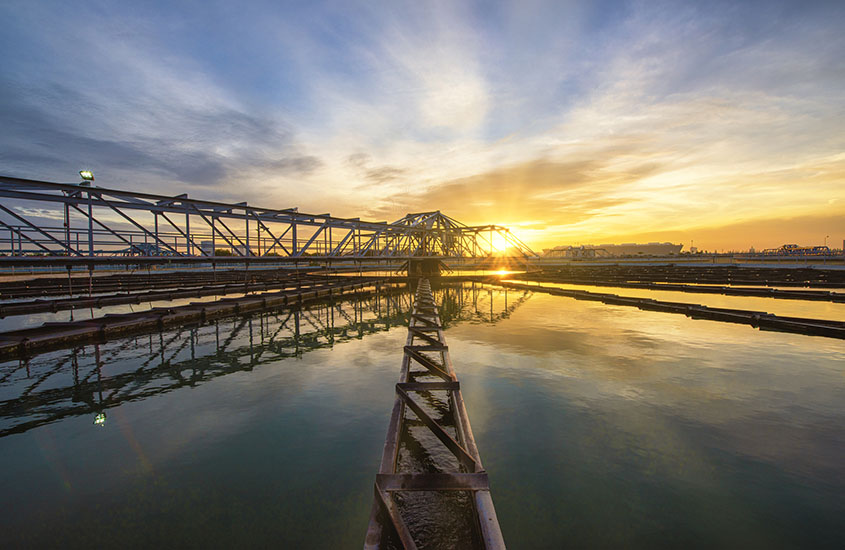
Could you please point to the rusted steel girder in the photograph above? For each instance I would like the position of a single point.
(425, 354)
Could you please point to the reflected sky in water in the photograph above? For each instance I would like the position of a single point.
(788, 308)
(601, 426)
(610, 426)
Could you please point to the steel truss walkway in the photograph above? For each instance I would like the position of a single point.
(428, 385)
(96, 224)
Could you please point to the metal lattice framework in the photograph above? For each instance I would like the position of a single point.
(428, 386)
(94, 223)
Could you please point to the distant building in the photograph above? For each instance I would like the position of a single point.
(613, 250)
(569, 252)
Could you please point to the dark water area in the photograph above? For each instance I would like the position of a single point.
(600, 426)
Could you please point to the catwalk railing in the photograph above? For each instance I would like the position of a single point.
(71, 222)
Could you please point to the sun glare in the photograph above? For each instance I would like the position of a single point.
(500, 243)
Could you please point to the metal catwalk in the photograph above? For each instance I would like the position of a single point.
(405, 492)
(66, 222)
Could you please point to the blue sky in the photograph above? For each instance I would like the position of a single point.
(570, 121)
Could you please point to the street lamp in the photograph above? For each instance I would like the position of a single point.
(87, 177)
(826, 237)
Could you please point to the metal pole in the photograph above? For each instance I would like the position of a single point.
(188, 232)
(90, 225)
(67, 227)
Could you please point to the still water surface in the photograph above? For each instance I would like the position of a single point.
(601, 426)
(834, 311)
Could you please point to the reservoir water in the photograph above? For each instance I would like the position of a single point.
(600, 426)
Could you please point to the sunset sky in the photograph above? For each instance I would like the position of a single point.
(570, 122)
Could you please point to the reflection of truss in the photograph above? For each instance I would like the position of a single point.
(481, 303)
(98, 377)
(109, 223)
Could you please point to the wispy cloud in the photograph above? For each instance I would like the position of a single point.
(574, 122)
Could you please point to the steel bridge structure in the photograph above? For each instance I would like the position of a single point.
(66, 224)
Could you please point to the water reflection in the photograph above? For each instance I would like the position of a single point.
(601, 427)
(94, 378)
(787, 308)
(607, 426)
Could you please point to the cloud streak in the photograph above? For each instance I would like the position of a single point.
(570, 122)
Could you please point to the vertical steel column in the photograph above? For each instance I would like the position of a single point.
(67, 227)
(90, 225)
(190, 244)
(248, 251)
